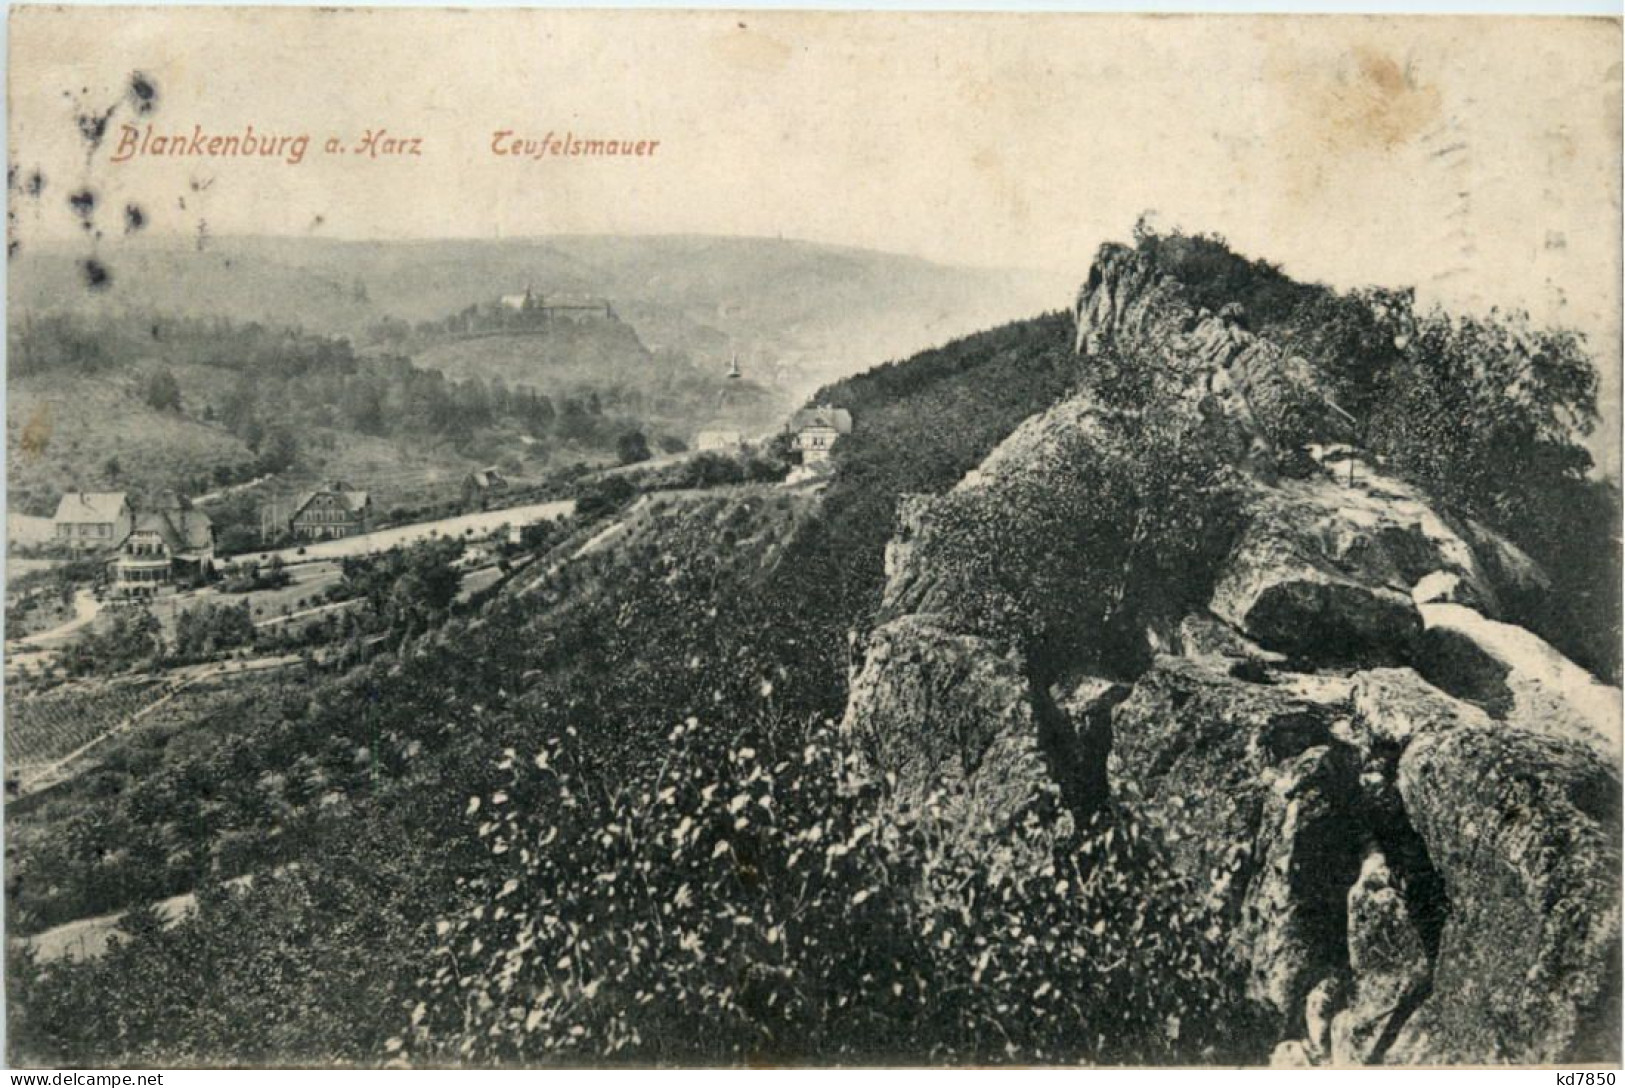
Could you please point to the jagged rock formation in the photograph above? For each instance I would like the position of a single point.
(1406, 804)
(954, 714)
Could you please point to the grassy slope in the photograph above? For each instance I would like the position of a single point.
(919, 426)
(88, 420)
(596, 353)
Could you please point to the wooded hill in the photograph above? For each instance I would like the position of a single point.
(816, 311)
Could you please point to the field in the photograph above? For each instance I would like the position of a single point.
(396, 473)
(589, 354)
(43, 728)
(306, 584)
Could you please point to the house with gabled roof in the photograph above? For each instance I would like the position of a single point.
(169, 543)
(481, 485)
(816, 430)
(87, 521)
(331, 513)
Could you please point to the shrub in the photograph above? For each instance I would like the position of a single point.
(748, 900)
(1127, 524)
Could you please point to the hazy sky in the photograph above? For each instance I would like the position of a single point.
(1476, 158)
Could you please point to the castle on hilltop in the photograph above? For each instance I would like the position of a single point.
(559, 307)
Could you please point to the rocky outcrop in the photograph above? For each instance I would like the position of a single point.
(1037, 449)
(1260, 799)
(1329, 568)
(1292, 927)
(1292, 603)
(1205, 637)
(1389, 961)
(952, 715)
(1403, 806)
(1127, 297)
(1524, 830)
(1267, 394)
(1393, 706)
(1517, 677)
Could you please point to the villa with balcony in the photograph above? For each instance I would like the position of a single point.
(170, 544)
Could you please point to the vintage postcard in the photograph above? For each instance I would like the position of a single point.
(745, 538)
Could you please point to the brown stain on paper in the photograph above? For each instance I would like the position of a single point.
(751, 50)
(1384, 104)
(1363, 104)
(36, 436)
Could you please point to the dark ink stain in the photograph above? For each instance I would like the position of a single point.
(134, 218)
(93, 125)
(32, 184)
(83, 204)
(143, 93)
(98, 277)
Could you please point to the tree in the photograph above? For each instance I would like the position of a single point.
(163, 392)
(278, 450)
(632, 447)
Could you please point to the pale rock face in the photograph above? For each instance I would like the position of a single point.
(1293, 1054)
(1319, 1008)
(1125, 296)
(1439, 587)
(1518, 677)
(1388, 959)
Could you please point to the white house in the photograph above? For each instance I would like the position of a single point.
(816, 431)
(170, 543)
(91, 520)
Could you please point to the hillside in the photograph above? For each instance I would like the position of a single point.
(67, 432)
(144, 402)
(607, 358)
(1215, 674)
(813, 312)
